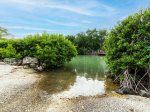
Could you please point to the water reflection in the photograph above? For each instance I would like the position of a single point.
(84, 87)
(84, 75)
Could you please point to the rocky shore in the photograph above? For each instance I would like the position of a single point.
(19, 92)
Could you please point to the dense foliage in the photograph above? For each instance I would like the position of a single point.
(89, 41)
(53, 50)
(7, 49)
(128, 44)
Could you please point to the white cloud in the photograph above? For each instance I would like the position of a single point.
(33, 28)
(86, 21)
(80, 7)
(27, 28)
(60, 23)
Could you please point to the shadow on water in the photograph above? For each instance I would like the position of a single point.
(84, 75)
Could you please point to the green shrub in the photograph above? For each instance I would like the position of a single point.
(53, 50)
(7, 50)
(128, 44)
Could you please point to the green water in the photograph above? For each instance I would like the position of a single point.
(92, 66)
(84, 75)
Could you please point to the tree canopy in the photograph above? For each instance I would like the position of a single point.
(89, 41)
(3, 32)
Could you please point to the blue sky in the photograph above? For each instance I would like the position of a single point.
(23, 17)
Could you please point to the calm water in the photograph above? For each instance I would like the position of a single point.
(84, 75)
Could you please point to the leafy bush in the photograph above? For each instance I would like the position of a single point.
(53, 50)
(7, 50)
(128, 44)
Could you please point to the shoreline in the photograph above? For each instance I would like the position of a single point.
(19, 92)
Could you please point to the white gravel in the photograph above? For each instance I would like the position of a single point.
(13, 80)
(19, 92)
(102, 104)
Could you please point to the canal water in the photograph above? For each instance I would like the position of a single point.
(82, 76)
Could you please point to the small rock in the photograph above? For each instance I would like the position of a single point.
(132, 110)
(113, 92)
(144, 93)
(125, 90)
(40, 68)
(82, 107)
(25, 66)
